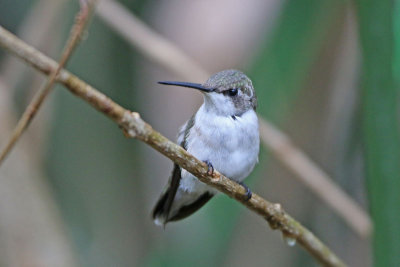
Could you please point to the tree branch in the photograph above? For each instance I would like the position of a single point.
(165, 53)
(135, 127)
(40, 96)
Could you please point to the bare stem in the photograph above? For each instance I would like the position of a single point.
(40, 96)
(135, 127)
(316, 179)
(159, 49)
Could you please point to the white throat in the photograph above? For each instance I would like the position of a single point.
(219, 104)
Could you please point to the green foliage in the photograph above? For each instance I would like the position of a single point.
(381, 127)
(12, 12)
(283, 65)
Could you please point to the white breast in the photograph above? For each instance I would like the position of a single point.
(231, 145)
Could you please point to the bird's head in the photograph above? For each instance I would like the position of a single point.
(226, 93)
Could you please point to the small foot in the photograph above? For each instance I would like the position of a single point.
(248, 191)
(210, 170)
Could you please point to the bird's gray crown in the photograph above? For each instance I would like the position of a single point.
(226, 80)
(230, 79)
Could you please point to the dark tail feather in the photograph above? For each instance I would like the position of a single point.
(159, 214)
(164, 204)
(187, 210)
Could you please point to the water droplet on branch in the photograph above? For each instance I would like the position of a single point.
(290, 241)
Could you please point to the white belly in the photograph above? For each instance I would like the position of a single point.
(231, 146)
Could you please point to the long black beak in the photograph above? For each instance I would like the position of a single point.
(189, 85)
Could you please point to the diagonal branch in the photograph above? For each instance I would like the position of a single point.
(40, 96)
(135, 127)
(316, 179)
(165, 53)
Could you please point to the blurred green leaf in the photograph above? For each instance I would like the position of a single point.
(381, 127)
(396, 63)
(285, 62)
(12, 13)
(283, 66)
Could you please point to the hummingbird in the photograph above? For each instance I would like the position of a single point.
(223, 133)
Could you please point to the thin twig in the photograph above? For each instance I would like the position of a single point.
(150, 43)
(33, 29)
(26, 199)
(37, 29)
(165, 53)
(40, 96)
(135, 127)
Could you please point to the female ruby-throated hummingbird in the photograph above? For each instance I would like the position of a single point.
(223, 133)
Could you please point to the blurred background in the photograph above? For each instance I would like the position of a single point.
(75, 192)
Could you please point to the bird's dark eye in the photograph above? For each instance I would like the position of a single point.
(233, 92)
